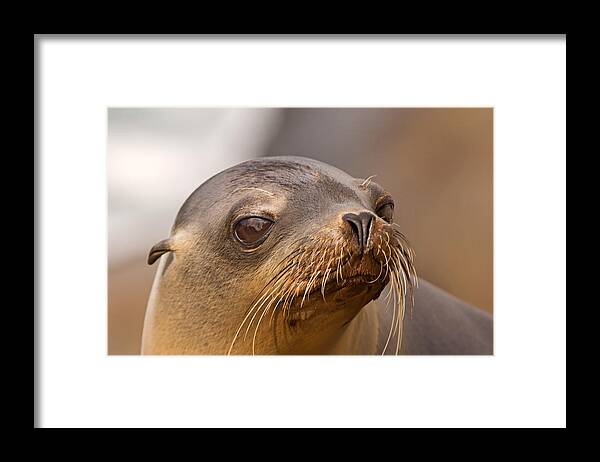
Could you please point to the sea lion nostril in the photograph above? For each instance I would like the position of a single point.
(360, 225)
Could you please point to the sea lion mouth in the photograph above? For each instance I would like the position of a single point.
(335, 294)
(351, 282)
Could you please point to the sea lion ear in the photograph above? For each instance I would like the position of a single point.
(162, 247)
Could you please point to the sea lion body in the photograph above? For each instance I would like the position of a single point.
(310, 285)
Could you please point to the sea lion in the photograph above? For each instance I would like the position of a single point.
(288, 255)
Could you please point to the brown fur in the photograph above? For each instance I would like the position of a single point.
(208, 288)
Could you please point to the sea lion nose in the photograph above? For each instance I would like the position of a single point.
(360, 224)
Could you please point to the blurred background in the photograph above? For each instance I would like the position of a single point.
(436, 162)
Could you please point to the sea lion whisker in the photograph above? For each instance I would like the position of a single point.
(280, 302)
(313, 278)
(324, 283)
(404, 243)
(280, 298)
(367, 182)
(389, 296)
(397, 326)
(400, 322)
(387, 259)
(401, 259)
(265, 310)
(401, 287)
(289, 299)
(241, 326)
(397, 295)
(410, 273)
(264, 297)
(275, 290)
(338, 269)
(276, 277)
(257, 327)
(308, 286)
(400, 319)
(392, 323)
(387, 238)
(237, 333)
(287, 296)
(294, 293)
(312, 261)
(400, 274)
(378, 276)
(342, 264)
(255, 189)
(272, 284)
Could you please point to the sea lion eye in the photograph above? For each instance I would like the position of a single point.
(252, 229)
(386, 211)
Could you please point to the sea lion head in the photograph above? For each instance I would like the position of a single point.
(274, 255)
